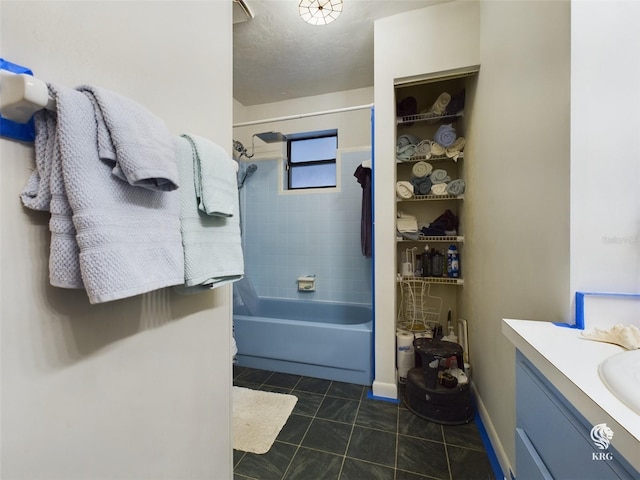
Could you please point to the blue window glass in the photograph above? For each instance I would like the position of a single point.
(312, 159)
(313, 176)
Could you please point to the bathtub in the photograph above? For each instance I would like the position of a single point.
(316, 339)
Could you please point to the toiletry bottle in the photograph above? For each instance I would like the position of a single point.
(453, 262)
(437, 264)
(452, 337)
(426, 262)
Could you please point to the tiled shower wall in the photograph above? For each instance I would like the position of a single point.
(288, 235)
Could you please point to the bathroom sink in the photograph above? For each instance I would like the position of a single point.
(621, 375)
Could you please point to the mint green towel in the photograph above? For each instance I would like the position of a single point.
(214, 177)
(211, 243)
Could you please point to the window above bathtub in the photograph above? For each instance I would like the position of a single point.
(311, 160)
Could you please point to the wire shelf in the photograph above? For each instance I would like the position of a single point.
(435, 238)
(417, 198)
(439, 280)
(428, 117)
(434, 158)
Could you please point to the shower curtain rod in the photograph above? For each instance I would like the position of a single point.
(302, 115)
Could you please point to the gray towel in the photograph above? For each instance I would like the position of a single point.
(456, 187)
(212, 247)
(115, 239)
(445, 135)
(405, 153)
(133, 141)
(36, 194)
(45, 191)
(439, 176)
(407, 139)
(421, 185)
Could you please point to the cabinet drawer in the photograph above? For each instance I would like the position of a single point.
(558, 433)
(530, 465)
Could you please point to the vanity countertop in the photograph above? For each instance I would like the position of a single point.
(570, 363)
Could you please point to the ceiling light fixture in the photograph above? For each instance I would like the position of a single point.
(319, 12)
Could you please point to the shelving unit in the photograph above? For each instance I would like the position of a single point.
(427, 208)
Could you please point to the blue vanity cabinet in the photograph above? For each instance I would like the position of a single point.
(553, 440)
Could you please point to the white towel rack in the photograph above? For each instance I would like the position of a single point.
(21, 95)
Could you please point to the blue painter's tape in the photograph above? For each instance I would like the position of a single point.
(580, 298)
(371, 396)
(491, 453)
(579, 325)
(25, 132)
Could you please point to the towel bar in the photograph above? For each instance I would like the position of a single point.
(22, 96)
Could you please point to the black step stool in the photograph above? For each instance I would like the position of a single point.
(426, 397)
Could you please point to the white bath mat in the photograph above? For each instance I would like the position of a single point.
(258, 417)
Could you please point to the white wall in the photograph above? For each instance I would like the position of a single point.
(517, 202)
(516, 207)
(434, 39)
(354, 127)
(605, 147)
(138, 388)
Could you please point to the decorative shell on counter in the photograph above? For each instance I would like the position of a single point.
(627, 336)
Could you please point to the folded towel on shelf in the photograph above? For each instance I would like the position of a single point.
(212, 247)
(421, 169)
(445, 224)
(439, 189)
(404, 154)
(436, 149)
(407, 106)
(456, 148)
(406, 223)
(424, 148)
(114, 239)
(456, 187)
(445, 135)
(410, 235)
(407, 139)
(457, 145)
(439, 175)
(421, 185)
(456, 104)
(133, 141)
(439, 106)
(404, 189)
(214, 177)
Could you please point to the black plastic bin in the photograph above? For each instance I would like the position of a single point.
(429, 399)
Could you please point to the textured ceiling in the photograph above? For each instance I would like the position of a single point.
(277, 56)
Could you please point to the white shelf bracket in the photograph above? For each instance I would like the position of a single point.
(22, 95)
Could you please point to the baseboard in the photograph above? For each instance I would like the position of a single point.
(371, 396)
(492, 435)
(384, 390)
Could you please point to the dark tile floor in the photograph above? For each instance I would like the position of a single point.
(337, 433)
